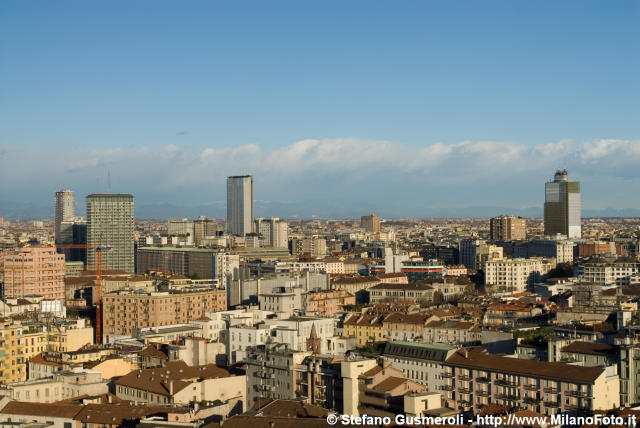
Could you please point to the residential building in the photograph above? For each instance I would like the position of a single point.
(422, 363)
(367, 328)
(110, 224)
(370, 223)
(383, 389)
(180, 227)
(284, 301)
(507, 228)
(562, 206)
(475, 378)
(202, 229)
(467, 250)
(125, 312)
(562, 251)
(178, 383)
(271, 372)
(608, 270)
(273, 231)
(189, 261)
(239, 205)
(324, 303)
(33, 270)
(517, 274)
(453, 332)
(486, 253)
(314, 246)
(246, 291)
(356, 285)
(62, 385)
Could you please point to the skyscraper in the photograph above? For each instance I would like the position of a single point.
(64, 212)
(110, 224)
(562, 206)
(239, 204)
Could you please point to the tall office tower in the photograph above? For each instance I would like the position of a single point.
(507, 228)
(64, 212)
(275, 232)
(240, 204)
(562, 206)
(110, 224)
(370, 223)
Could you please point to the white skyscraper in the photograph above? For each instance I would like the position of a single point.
(64, 212)
(239, 205)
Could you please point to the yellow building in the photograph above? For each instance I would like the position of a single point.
(70, 337)
(12, 362)
(366, 328)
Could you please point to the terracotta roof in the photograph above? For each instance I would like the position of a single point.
(394, 286)
(153, 350)
(117, 414)
(288, 408)
(477, 358)
(389, 384)
(158, 380)
(373, 371)
(397, 317)
(589, 348)
(355, 280)
(41, 409)
(39, 359)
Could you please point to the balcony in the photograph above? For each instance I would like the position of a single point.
(505, 382)
(448, 387)
(551, 404)
(551, 390)
(530, 387)
(447, 375)
(483, 393)
(483, 379)
(464, 378)
(464, 390)
(579, 394)
(507, 397)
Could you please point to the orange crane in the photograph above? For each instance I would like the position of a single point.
(99, 250)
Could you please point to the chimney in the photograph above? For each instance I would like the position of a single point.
(171, 387)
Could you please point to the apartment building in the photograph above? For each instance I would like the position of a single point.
(517, 274)
(370, 223)
(124, 312)
(453, 332)
(366, 328)
(562, 251)
(406, 327)
(356, 285)
(422, 363)
(609, 270)
(314, 246)
(190, 262)
(61, 385)
(178, 383)
(327, 303)
(33, 270)
(507, 228)
(271, 372)
(474, 379)
(273, 232)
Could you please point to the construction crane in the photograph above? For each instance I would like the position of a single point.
(99, 250)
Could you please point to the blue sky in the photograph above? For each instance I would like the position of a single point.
(172, 96)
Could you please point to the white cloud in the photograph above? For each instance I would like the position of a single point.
(318, 166)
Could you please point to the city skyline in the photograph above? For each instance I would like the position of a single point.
(476, 104)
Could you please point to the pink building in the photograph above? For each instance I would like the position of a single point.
(35, 270)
